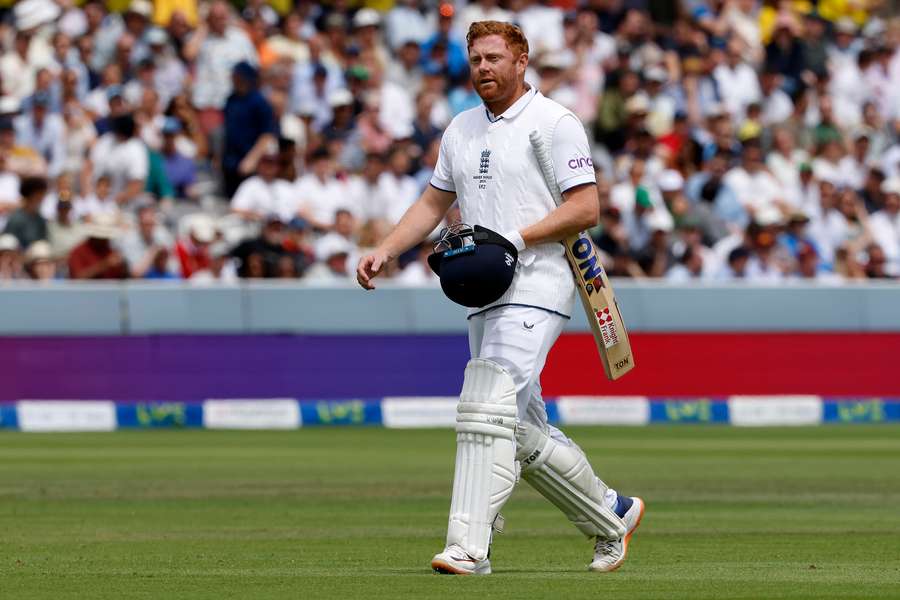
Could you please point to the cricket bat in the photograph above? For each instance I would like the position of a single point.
(597, 296)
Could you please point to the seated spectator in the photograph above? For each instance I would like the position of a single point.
(19, 159)
(43, 131)
(885, 224)
(265, 193)
(809, 267)
(262, 256)
(39, 263)
(63, 232)
(98, 202)
(26, 223)
(95, 257)
(688, 269)
(398, 184)
(753, 184)
(192, 251)
(736, 269)
(121, 157)
(877, 266)
(334, 264)
(181, 171)
(222, 268)
(146, 248)
(320, 193)
(10, 258)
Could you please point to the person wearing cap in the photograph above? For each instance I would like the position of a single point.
(39, 261)
(26, 223)
(44, 131)
(10, 258)
(95, 257)
(333, 254)
(181, 171)
(192, 250)
(367, 35)
(519, 290)
(216, 49)
(250, 127)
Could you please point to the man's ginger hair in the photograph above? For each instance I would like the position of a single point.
(514, 37)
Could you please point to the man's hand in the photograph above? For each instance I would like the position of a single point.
(370, 266)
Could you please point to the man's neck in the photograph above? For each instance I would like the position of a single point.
(501, 106)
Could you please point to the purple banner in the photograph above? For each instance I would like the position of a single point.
(195, 367)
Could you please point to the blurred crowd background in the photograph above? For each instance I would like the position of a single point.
(213, 141)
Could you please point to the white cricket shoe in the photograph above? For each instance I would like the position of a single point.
(610, 554)
(454, 561)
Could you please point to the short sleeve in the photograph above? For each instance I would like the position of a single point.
(442, 178)
(571, 154)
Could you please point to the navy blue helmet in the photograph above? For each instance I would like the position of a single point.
(476, 265)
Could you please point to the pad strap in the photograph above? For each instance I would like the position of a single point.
(563, 475)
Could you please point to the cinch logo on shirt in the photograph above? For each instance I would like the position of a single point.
(581, 161)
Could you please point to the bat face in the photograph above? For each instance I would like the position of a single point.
(588, 263)
(600, 305)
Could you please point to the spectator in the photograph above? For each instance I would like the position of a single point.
(264, 194)
(398, 185)
(192, 250)
(689, 267)
(121, 157)
(180, 170)
(146, 248)
(250, 127)
(320, 193)
(39, 263)
(265, 255)
(95, 257)
(63, 232)
(217, 47)
(43, 131)
(736, 269)
(21, 160)
(10, 258)
(26, 223)
(334, 265)
(885, 225)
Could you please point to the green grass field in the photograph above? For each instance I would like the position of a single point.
(358, 513)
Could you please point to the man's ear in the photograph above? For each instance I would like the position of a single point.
(522, 63)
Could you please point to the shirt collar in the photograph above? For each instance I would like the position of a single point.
(517, 106)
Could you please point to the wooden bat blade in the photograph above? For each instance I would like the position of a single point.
(600, 306)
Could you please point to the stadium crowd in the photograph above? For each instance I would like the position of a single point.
(732, 139)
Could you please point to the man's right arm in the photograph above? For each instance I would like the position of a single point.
(419, 220)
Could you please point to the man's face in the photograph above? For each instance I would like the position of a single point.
(494, 70)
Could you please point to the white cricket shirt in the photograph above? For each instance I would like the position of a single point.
(488, 162)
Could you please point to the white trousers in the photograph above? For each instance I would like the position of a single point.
(519, 339)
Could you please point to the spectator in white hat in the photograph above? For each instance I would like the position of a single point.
(39, 261)
(192, 250)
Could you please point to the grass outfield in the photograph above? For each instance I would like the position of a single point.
(358, 513)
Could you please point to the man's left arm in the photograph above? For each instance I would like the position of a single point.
(575, 176)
